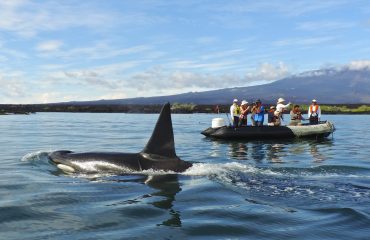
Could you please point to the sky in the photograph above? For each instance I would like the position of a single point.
(73, 50)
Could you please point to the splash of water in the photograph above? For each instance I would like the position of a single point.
(35, 156)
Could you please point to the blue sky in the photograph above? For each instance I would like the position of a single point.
(53, 51)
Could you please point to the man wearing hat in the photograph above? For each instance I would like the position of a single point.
(271, 116)
(314, 112)
(235, 112)
(280, 105)
(259, 116)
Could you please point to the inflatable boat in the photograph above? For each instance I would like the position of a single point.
(221, 131)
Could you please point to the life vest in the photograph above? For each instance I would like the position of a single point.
(271, 116)
(236, 110)
(297, 116)
(314, 109)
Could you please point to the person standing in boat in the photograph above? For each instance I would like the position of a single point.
(259, 116)
(314, 112)
(235, 112)
(280, 105)
(253, 113)
(244, 110)
(296, 116)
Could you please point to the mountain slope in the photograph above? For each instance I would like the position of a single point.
(329, 86)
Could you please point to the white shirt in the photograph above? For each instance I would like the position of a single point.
(313, 108)
(280, 107)
(232, 108)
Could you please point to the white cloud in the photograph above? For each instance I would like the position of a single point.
(359, 65)
(222, 54)
(100, 50)
(106, 76)
(115, 94)
(268, 72)
(47, 97)
(110, 81)
(309, 41)
(12, 3)
(49, 46)
(3, 58)
(92, 78)
(324, 25)
(204, 66)
(52, 96)
(27, 18)
(329, 69)
(14, 54)
(177, 81)
(12, 87)
(285, 7)
(48, 67)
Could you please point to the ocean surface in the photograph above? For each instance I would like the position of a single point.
(301, 189)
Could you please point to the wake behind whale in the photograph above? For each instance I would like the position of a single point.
(158, 154)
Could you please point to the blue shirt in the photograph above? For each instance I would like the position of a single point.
(260, 117)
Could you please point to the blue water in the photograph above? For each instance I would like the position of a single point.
(235, 190)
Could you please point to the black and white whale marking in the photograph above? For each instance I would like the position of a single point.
(158, 154)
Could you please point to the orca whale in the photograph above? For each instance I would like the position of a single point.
(158, 154)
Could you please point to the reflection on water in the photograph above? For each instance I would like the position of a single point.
(316, 155)
(165, 189)
(258, 151)
(168, 186)
(238, 151)
(272, 151)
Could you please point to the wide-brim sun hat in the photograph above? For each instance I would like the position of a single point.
(235, 100)
(280, 100)
(314, 100)
(244, 102)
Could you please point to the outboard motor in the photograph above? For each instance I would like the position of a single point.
(218, 122)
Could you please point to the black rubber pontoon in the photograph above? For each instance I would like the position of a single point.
(321, 130)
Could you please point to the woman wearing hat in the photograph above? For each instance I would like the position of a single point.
(244, 110)
(314, 112)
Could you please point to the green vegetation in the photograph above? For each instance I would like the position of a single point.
(342, 109)
(183, 107)
(176, 108)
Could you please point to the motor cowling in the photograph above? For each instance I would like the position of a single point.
(218, 122)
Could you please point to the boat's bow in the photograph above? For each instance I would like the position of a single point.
(319, 130)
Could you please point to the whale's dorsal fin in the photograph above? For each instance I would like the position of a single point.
(162, 141)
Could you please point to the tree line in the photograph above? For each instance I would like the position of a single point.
(155, 108)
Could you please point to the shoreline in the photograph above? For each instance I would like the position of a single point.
(11, 109)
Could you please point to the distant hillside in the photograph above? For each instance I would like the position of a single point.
(329, 86)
